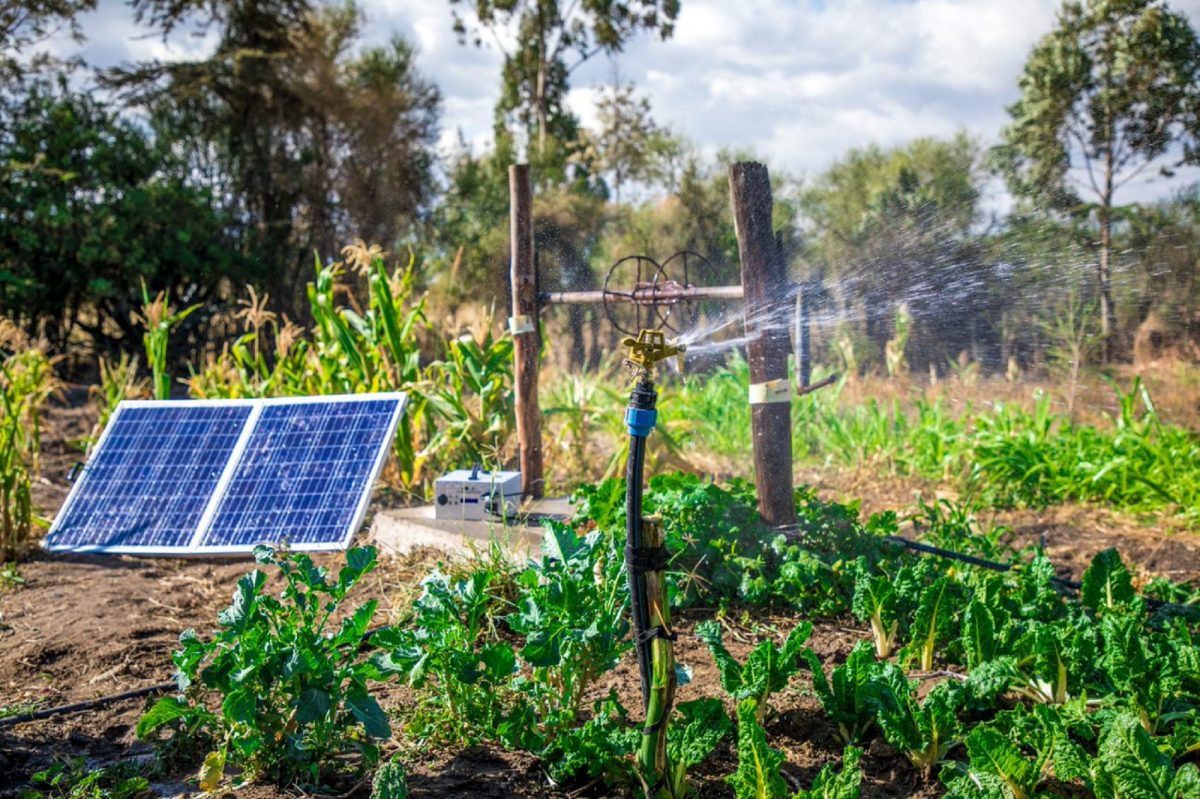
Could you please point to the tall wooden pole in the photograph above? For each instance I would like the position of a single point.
(524, 324)
(764, 278)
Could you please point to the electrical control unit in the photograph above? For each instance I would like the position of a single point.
(476, 495)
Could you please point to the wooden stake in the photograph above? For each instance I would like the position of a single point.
(652, 754)
(764, 278)
(526, 345)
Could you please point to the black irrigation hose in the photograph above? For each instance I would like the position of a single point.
(88, 704)
(1073, 585)
(633, 535)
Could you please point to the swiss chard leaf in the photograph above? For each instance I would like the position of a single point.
(757, 775)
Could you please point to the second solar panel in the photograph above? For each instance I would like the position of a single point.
(305, 474)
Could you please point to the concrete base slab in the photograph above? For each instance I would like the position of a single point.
(402, 530)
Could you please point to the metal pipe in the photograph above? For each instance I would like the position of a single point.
(642, 296)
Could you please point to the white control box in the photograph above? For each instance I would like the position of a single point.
(467, 494)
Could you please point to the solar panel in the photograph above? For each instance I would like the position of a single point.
(304, 475)
(221, 476)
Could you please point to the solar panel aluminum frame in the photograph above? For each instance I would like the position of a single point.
(256, 406)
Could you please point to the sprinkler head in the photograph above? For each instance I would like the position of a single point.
(649, 348)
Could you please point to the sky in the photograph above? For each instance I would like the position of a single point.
(796, 82)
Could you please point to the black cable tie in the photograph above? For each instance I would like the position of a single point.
(655, 727)
(650, 633)
(647, 559)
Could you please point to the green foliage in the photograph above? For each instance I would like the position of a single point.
(830, 784)
(703, 724)
(923, 731)
(999, 767)
(767, 669)
(932, 621)
(882, 600)
(846, 695)
(1107, 584)
(571, 611)
(757, 775)
(159, 319)
(446, 653)
(26, 382)
(390, 781)
(292, 684)
(92, 208)
(1130, 764)
(74, 779)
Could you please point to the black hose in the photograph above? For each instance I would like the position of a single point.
(634, 470)
(87, 704)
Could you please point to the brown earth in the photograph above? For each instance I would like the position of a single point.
(87, 627)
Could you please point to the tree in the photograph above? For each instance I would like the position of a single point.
(553, 39)
(91, 208)
(313, 143)
(1113, 90)
(24, 24)
(628, 145)
(895, 226)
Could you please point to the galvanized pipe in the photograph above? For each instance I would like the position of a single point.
(642, 296)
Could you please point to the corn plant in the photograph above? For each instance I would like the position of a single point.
(118, 381)
(26, 382)
(159, 319)
(470, 393)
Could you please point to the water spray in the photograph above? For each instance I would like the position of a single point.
(646, 559)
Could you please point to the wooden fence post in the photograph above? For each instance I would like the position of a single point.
(526, 335)
(764, 279)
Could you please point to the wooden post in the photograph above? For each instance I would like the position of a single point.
(526, 337)
(764, 278)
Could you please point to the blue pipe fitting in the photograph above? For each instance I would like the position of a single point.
(640, 421)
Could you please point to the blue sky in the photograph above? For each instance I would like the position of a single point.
(796, 81)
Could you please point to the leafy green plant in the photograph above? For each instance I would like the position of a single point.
(932, 623)
(924, 731)
(1129, 763)
(292, 684)
(830, 784)
(571, 614)
(846, 694)
(74, 779)
(702, 726)
(757, 775)
(767, 669)
(390, 781)
(445, 650)
(998, 765)
(882, 600)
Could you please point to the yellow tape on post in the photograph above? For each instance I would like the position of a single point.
(520, 324)
(770, 392)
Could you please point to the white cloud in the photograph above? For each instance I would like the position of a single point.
(797, 81)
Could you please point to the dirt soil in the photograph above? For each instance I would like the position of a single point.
(86, 627)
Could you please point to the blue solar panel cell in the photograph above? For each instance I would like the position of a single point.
(305, 474)
(152, 477)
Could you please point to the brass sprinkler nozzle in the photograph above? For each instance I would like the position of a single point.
(649, 348)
